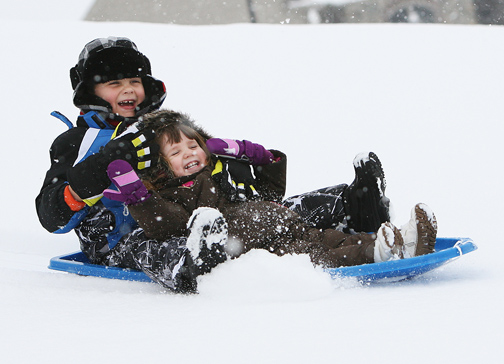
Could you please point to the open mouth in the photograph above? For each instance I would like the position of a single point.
(191, 165)
(126, 103)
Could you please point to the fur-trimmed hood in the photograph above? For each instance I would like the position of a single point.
(158, 121)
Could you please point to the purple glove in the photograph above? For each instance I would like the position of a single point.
(131, 189)
(255, 154)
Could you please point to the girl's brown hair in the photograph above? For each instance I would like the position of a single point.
(168, 126)
(173, 132)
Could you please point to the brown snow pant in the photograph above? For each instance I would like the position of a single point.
(266, 225)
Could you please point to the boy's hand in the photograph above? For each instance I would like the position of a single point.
(253, 153)
(235, 179)
(130, 189)
(89, 178)
(139, 149)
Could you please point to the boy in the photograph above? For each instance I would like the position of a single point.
(112, 85)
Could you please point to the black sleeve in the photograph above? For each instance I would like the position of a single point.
(272, 178)
(53, 212)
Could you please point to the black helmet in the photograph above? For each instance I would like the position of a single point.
(113, 58)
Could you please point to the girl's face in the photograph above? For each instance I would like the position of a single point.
(123, 95)
(185, 157)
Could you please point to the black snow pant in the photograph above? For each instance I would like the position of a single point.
(342, 207)
(323, 208)
(167, 263)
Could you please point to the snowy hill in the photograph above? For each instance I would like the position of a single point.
(425, 98)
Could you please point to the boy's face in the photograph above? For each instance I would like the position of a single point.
(123, 95)
(185, 158)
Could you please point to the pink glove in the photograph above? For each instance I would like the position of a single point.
(255, 154)
(131, 189)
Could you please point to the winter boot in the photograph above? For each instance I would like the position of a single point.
(207, 238)
(419, 233)
(366, 205)
(388, 244)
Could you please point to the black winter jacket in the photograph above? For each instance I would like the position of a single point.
(98, 227)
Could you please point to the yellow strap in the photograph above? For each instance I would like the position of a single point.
(254, 192)
(218, 168)
(137, 141)
(143, 165)
(92, 200)
(114, 134)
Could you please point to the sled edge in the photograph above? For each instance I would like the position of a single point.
(77, 263)
(447, 250)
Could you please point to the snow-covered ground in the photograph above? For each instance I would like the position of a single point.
(426, 98)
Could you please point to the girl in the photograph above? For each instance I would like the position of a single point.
(185, 182)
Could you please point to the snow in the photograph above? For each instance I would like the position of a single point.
(427, 99)
(202, 217)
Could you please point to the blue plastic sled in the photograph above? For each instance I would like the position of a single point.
(447, 249)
